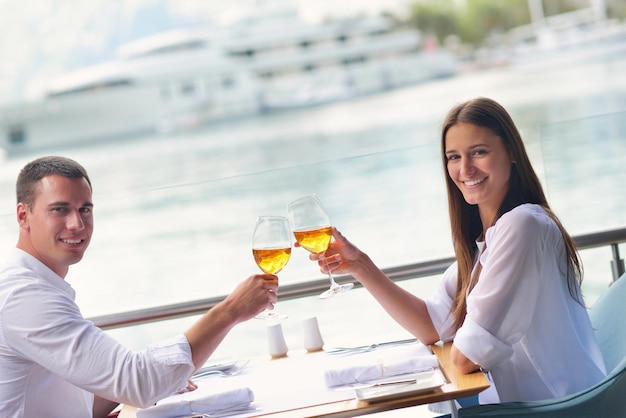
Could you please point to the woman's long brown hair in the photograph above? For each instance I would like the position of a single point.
(524, 187)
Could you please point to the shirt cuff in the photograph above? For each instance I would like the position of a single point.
(172, 351)
(441, 318)
(480, 346)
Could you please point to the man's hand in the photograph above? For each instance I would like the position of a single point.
(253, 296)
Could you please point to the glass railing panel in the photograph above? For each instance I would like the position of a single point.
(583, 163)
(193, 240)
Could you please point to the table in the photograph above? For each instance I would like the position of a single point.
(457, 386)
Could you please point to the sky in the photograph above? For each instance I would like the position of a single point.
(40, 39)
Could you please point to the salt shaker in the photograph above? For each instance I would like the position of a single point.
(276, 341)
(312, 337)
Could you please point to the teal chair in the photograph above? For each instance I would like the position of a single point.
(605, 399)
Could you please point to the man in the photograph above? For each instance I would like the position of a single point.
(53, 362)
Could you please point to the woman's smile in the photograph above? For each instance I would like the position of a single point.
(470, 183)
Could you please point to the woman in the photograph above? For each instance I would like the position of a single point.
(511, 303)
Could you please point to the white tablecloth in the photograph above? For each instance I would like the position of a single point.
(298, 380)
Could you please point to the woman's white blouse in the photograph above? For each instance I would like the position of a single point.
(52, 360)
(522, 324)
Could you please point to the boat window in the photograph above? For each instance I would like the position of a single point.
(309, 68)
(342, 38)
(305, 44)
(187, 88)
(353, 60)
(379, 32)
(16, 135)
(228, 82)
(247, 53)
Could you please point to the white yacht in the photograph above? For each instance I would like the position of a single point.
(566, 38)
(186, 77)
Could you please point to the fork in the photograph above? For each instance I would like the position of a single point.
(370, 347)
(360, 349)
(233, 371)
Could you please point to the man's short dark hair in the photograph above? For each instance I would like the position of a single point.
(42, 167)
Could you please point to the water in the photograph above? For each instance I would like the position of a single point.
(175, 214)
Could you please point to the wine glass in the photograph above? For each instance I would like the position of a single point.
(311, 227)
(271, 248)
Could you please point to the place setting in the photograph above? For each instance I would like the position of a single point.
(206, 401)
(209, 399)
(221, 369)
(384, 371)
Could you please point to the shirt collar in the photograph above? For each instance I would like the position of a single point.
(23, 259)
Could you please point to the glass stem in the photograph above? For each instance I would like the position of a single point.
(333, 283)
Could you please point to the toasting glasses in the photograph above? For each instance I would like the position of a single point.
(271, 248)
(311, 227)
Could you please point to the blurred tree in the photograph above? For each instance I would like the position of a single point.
(553, 7)
(473, 21)
(477, 22)
(435, 17)
(616, 9)
(480, 20)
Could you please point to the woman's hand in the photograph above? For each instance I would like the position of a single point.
(461, 362)
(341, 257)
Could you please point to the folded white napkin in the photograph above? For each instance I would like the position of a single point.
(375, 369)
(185, 404)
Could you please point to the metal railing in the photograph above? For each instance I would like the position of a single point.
(610, 238)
